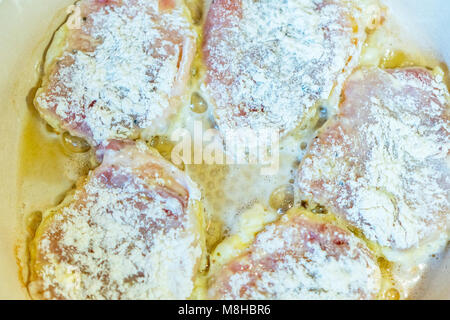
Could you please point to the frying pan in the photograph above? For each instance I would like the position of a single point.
(26, 29)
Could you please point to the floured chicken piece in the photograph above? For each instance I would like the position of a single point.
(299, 257)
(133, 229)
(117, 67)
(382, 164)
(271, 63)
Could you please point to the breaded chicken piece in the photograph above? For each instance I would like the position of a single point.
(299, 257)
(271, 63)
(382, 164)
(121, 71)
(133, 229)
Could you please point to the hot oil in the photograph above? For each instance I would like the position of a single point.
(47, 165)
(197, 9)
(230, 189)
